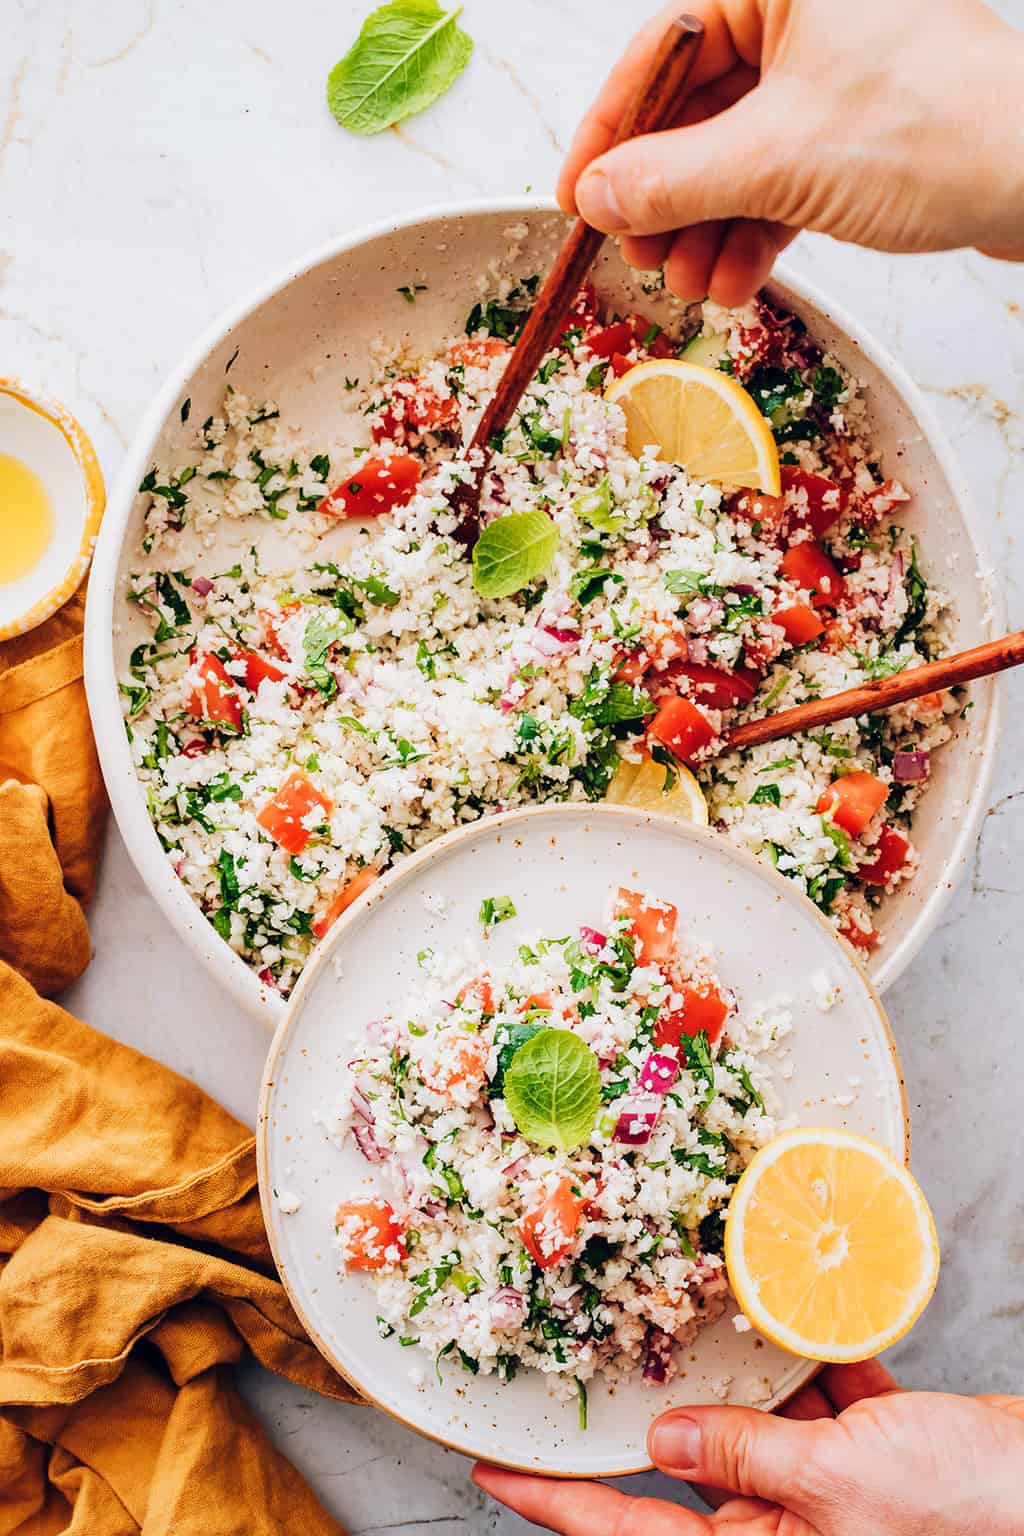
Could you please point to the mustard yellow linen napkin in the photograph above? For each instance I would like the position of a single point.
(134, 1267)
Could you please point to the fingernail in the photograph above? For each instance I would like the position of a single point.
(675, 1443)
(598, 204)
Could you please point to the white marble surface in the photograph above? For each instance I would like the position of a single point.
(159, 156)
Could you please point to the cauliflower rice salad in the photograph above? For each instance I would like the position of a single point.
(296, 732)
(554, 1147)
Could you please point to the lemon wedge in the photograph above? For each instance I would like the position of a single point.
(830, 1245)
(642, 785)
(700, 418)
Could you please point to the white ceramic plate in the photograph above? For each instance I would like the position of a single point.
(307, 328)
(558, 864)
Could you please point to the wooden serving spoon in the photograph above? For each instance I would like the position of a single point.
(948, 672)
(657, 105)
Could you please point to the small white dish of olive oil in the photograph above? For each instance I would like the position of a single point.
(51, 503)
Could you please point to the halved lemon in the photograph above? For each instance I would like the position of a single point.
(700, 418)
(650, 786)
(830, 1245)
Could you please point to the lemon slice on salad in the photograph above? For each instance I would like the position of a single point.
(830, 1245)
(700, 418)
(650, 786)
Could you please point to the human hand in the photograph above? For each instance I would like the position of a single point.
(892, 124)
(890, 1463)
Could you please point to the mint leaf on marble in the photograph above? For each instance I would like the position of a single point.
(407, 54)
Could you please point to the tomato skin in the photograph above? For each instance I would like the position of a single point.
(799, 622)
(478, 351)
(549, 1232)
(344, 899)
(413, 408)
(680, 726)
(465, 1061)
(892, 849)
(611, 339)
(257, 669)
(269, 619)
(375, 1230)
(853, 799)
(620, 364)
(214, 699)
(284, 817)
(704, 1008)
(632, 666)
(716, 687)
(375, 486)
(584, 306)
(860, 938)
(478, 993)
(653, 926)
(826, 499)
(807, 565)
(759, 507)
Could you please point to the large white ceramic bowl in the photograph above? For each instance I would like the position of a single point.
(559, 864)
(303, 331)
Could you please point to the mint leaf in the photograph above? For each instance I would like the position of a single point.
(553, 1089)
(513, 551)
(407, 55)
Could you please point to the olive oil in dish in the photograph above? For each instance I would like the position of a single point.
(26, 519)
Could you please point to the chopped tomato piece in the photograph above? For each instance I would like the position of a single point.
(876, 504)
(611, 339)
(257, 669)
(620, 364)
(549, 1232)
(758, 507)
(632, 667)
(376, 485)
(892, 849)
(825, 500)
(478, 351)
(682, 727)
(715, 686)
(477, 994)
(414, 407)
(853, 800)
(799, 622)
(860, 938)
(369, 1234)
(704, 1008)
(808, 566)
(294, 811)
(652, 924)
(269, 619)
(214, 699)
(457, 1058)
(545, 1000)
(344, 899)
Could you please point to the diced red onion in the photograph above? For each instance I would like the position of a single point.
(659, 1072)
(657, 1354)
(548, 641)
(382, 1031)
(202, 586)
(698, 650)
(433, 1207)
(744, 588)
(268, 978)
(592, 941)
(507, 1307)
(361, 1104)
(705, 613)
(638, 1115)
(911, 767)
(195, 748)
(368, 1144)
(514, 1169)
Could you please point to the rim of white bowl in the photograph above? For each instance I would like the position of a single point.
(126, 797)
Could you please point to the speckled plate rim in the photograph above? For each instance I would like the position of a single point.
(84, 454)
(127, 799)
(379, 893)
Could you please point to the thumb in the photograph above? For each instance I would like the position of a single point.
(737, 164)
(739, 1449)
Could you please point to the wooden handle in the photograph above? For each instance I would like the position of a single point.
(656, 105)
(947, 672)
